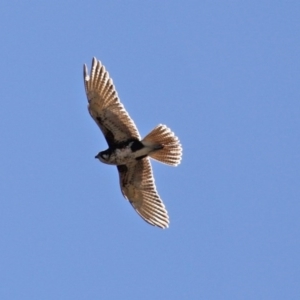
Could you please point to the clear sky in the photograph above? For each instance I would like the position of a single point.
(225, 77)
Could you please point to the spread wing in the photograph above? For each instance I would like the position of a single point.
(137, 185)
(105, 107)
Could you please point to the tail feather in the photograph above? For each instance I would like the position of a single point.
(167, 145)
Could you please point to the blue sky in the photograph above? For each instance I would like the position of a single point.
(224, 75)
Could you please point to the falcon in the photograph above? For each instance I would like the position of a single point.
(126, 149)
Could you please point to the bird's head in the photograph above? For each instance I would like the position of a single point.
(103, 156)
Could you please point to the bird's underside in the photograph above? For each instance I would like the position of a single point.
(126, 149)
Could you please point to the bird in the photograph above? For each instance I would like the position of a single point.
(126, 150)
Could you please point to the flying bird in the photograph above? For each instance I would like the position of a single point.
(126, 149)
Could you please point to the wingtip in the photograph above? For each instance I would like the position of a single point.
(163, 226)
(86, 76)
(166, 226)
(94, 61)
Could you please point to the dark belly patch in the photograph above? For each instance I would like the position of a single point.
(136, 145)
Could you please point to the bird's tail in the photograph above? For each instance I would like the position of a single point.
(169, 150)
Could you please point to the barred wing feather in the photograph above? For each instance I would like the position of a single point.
(137, 185)
(105, 107)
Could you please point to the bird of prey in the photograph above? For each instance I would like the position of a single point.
(126, 149)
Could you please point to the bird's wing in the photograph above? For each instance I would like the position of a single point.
(105, 107)
(137, 185)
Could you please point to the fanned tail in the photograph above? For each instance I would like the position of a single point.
(168, 145)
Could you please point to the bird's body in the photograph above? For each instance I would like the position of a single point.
(127, 150)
